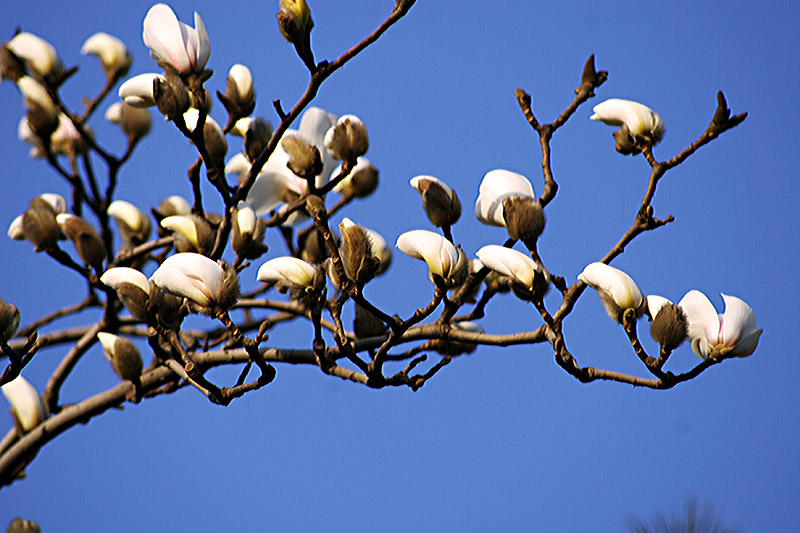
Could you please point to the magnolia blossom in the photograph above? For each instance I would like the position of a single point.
(192, 276)
(635, 119)
(510, 263)
(112, 52)
(138, 90)
(439, 253)
(732, 333)
(40, 55)
(497, 185)
(174, 43)
(287, 271)
(241, 80)
(440, 202)
(25, 402)
(616, 289)
(116, 276)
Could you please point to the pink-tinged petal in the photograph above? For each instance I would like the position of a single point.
(26, 402)
(497, 185)
(703, 318)
(700, 347)
(203, 43)
(164, 36)
(747, 345)
(737, 322)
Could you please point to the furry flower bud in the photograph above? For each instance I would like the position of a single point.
(247, 233)
(192, 233)
(670, 325)
(347, 140)
(440, 202)
(87, 242)
(135, 122)
(9, 320)
(123, 355)
(239, 99)
(360, 182)
(26, 404)
(133, 224)
(256, 137)
(112, 52)
(356, 253)
(294, 20)
(524, 219)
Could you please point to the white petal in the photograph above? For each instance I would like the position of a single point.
(127, 213)
(238, 164)
(56, 201)
(114, 113)
(287, 269)
(108, 340)
(703, 318)
(35, 94)
(415, 182)
(15, 229)
(26, 402)
(497, 185)
(190, 275)
(116, 276)
(638, 118)
(508, 262)
(245, 217)
(163, 35)
(655, 303)
(112, 52)
(440, 255)
(747, 345)
(37, 52)
(182, 224)
(138, 90)
(243, 79)
(314, 123)
(203, 46)
(737, 322)
(619, 285)
(342, 186)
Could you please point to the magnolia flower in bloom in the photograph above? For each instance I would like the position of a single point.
(26, 404)
(138, 90)
(497, 185)
(732, 333)
(636, 121)
(439, 253)
(287, 271)
(617, 290)
(40, 55)
(198, 279)
(175, 44)
(511, 263)
(112, 52)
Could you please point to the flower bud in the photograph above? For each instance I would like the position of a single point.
(40, 228)
(27, 406)
(669, 328)
(133, 224)
(112, 52)
(287, 272)
(123, 355)
(192, 233)
(66, 139)
(304, 158)
(15, 229)
(524, 219)
(256, 137)
(356, 253)
(133, 289)
(42, 114)
(347, 139)
(171, 95)
(18, 525)
(360, 182)
(9, 320)
(294, 20)
(86, 240)
(214, 138)
(206, 284)
(11, 67)
(135, 122)
(366, 325)
(440, 202)
(40, 55)
(616, 289)
(239, 99)
(247, 232)
(138, 91)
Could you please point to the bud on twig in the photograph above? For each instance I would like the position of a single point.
(123, 355)
(134, 121)
(304, 158)
(356, 253)
(133, 224)
(360, 182)
(669, 326)
(9, 320)
(524, 219)
(192, 233)
(171, 95)
(239, 98)
(40, 228)
(440, 202)
(256, 137)
(87, 242)
(247, 232)
(347, 140)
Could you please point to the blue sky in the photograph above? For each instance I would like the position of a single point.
(502, 439)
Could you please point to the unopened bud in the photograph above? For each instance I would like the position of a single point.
(524, 219)
(315, 205)
(440, 202)
(18, 525)
(669, 326)
(347, 140)
(304, 158)
(86, 240)
(134, 225)
(239, 99)
(40, 228)
(294, 20)
(124, 356)
(171, 95)
(134, 121)
(229, 291)
(625, 143)
(256, 137)
(356, 253)
(192, 233)
(9, 320)
(42, 114)
(361, 182)
(11, 67)
(312, 247)
(247, 232)
(458, 274)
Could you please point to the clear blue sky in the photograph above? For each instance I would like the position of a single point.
(502, 439)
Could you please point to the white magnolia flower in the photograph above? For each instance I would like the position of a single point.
(287, 271)
(314, 123)
(134, 121)
(508, 262)
(138, 90)
(112, 52)
(116, 276)
(242, 79)
(40, 55)
(731, 333)
(25, 402)
(439, 253)
(638, 119)
(170, 41)
(192, 276)
(616, 289)
(497, 185)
